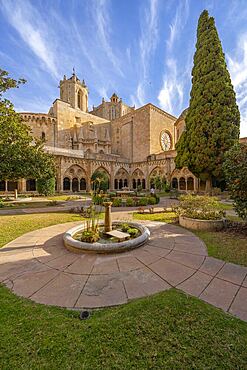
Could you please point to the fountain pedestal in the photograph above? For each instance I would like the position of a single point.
(108, 218)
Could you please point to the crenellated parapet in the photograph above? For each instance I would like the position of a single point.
(39, 118)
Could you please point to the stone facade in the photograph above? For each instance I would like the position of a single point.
(130, 145)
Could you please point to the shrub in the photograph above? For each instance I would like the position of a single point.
(143, 201)
(130, 202)
(235, 170)
(97, 199)
(89, 236)
(1, 203)
(200, 207)
(124, 227)
(152, 200)
(157, 198)
(46, 186)
(132, 231)
(117, 202)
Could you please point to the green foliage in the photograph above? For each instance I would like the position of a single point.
(152, 200)
(200, 207)
(20, 155)
(99, 199)
(1, 203)
(133, 232)
(89, 236)
(117, 202)
(157, 198)
(130, 202)
(212, 121)
(160, 183)
(143, 201)
(100, 181)
(235, 169)
(46, 186)
(124, 228)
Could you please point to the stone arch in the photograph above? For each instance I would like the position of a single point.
(182, 183)
(2, 185)
(66, 184)
(185, 179)
(79, 99)
(156, 171)
(75, 178)
(104, 170)
(121, 179)
(138, 179)
(190, 183)
(174, 183)
(31, 185)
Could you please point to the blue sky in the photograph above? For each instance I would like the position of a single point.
(141, 49)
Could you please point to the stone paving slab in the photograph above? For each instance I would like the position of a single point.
(37, 266)
(220, 293)
(239, 306)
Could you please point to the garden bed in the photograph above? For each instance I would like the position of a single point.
(77, 246)
(195, 224)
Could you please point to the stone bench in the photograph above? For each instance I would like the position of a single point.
(121, 236)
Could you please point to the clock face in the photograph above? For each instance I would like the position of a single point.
(165, 140)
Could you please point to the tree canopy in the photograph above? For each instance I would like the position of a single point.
(235, 169)
(213, 119)
(21, 156)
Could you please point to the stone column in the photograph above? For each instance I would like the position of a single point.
(108, 218)
(22, 186)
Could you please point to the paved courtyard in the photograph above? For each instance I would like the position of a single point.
(37, 266)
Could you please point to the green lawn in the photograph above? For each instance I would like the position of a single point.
(168, 217)
(13, 226)
(226, 246)
(24, 204)
(166, 331)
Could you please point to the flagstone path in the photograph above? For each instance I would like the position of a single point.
(37, 266)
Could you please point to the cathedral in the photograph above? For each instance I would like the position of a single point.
(130, 145)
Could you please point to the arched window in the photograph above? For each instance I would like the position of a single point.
(125, 183)
(75, 184)
(31, 185)
(174, 183)
(66, 184)
(43, 136)
(79, 100)
(143, 184)
(134, 183)
(120, 184)
(116, 184)
(190, 183)
(202, 185)
(12, 185)
(182, 183)
(83, 184)
(2, 185)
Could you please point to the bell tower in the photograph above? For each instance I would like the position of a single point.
(74, 92)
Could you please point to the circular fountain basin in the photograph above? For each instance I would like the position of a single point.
(77, 246)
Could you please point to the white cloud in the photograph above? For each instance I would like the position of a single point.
(103, 30)
(147, 45)
(171, 94)
(238, 70)
(31, 28)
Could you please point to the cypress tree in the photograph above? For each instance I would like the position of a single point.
(213, 119)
